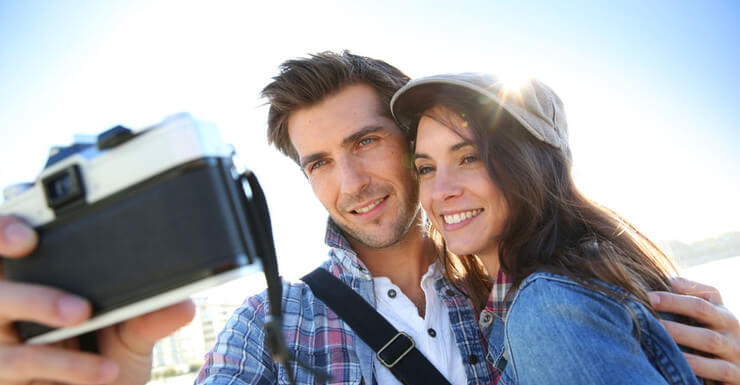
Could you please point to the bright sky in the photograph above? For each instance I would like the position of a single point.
(650, 88)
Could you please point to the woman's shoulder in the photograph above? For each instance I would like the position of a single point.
(551, 298)
(546, 283)
(571, 330)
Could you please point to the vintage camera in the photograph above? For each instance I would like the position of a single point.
(138, 220)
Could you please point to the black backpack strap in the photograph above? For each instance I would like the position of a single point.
(395, 350)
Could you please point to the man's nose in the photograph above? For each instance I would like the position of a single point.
(353, 176)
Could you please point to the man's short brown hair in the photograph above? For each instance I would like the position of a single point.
(305, 82)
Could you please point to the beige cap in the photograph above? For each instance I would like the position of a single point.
(531, 103)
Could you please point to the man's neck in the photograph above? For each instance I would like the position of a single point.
(404, 263)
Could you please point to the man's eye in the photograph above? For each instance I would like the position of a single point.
(366, 141)
(316, 165)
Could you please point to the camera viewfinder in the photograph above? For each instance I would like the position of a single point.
(64, 187)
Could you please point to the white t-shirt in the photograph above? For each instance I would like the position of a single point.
(432, 334)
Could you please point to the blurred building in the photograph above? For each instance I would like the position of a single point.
(213, 318)
(189, 345)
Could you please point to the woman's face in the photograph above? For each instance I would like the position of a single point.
(456, 191)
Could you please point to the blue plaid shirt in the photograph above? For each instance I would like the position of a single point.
(318, 338)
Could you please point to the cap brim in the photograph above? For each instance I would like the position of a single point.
(417, 96)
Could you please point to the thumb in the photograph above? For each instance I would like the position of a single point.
(16, 238)
(140, 334)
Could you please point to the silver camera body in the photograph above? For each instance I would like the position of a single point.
(136, 221)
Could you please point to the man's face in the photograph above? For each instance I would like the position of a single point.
(357, 161)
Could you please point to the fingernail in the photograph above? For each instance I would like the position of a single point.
(18, 233)
(108, 371)
(654, 299)
(71, 308)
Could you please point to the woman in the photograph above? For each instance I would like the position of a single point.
(567, 278)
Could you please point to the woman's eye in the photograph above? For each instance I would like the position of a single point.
(423, 170)
(469, 159)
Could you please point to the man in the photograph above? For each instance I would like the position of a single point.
(329, 113)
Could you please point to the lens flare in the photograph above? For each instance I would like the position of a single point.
(512, 76)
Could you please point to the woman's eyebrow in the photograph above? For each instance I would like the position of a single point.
(453, 148)
(460, 145)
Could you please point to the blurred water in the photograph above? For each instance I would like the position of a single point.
(724, 274)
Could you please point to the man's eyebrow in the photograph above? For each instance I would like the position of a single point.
(359, 134)
(345, 142)
(453, 148)
(313, 157)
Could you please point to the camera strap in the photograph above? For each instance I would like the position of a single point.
(258, 216)
(395, 350)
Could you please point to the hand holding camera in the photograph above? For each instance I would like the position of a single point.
(132, 222)
(125, 349)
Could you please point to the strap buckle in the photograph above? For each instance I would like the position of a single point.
(397, 349)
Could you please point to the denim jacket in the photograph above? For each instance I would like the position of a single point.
(559, 332)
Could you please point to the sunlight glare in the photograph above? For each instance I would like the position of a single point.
(513, 75)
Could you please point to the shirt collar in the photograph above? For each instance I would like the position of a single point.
(434, 272)
(497, 302)
(342, 251)
(334, 237)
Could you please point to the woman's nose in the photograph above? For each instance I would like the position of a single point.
(445, 186)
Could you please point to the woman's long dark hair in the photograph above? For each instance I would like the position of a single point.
(551, 225)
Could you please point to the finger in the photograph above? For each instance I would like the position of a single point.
(41, 382)
(140, 334)
(715, 316)
(688, 287)
(713, 369)
(16, 238)
(53, 307)
(34, 362)
(701, 339)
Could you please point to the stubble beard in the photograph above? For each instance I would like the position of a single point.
(408, 212)
(399, 229)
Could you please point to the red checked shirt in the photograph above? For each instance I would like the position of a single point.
(492, 318)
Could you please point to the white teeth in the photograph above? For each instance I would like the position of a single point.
(369, 207)
(459, 217)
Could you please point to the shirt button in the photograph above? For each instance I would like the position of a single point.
(432, 332)
(392, 293)
(486, 318)
(473, 359)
